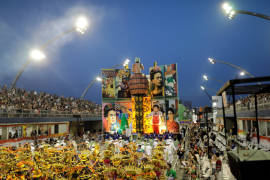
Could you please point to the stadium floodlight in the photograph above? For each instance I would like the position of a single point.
(37, 55)
(230, 12)
(242, 73)
(81, 24)
(211, 60)
(205, 77)
(202, 88)
(99, 79)
(126, 62)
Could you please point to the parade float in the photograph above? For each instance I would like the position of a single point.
(137, 103)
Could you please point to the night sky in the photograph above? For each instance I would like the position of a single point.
(167, 31)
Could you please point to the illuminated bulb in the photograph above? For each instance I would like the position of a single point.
(81, 25)
(99, 79)
(205, 77)
(37, 55)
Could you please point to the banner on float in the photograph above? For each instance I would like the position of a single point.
(160, 105)
(163, 80)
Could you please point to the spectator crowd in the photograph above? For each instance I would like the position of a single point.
(18, 100)
(249, 101)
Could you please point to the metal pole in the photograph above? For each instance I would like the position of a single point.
(257, 121)
(207, 95)
(217, 80)
(234, 66)
(86, 89)
(19, 73)
(234, 110)
(44, 46)
(224, 120)
(253, 14)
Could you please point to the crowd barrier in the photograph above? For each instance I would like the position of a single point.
(18, 140)
(43, 113)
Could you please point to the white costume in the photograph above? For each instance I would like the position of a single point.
(155, 143)
(148, 149)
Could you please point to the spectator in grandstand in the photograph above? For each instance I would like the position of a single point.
(18, 100)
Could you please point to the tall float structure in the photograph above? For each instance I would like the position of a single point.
(134, 102)
(138, 85)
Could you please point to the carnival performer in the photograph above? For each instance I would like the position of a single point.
(148, 149)
(171, 151)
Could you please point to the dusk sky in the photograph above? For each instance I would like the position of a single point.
(186, 32)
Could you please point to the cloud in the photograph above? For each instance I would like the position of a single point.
(54, 27)
(15, 44)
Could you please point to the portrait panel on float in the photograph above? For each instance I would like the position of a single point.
(110, 121)
(170, 80)
(172, 121)
(108, 83)
(125, 116)
(157, 116)
(156, 78)
(121, 83)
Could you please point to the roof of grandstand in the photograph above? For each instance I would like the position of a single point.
(254, 85)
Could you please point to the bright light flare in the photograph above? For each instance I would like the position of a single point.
(214, 104)
(81, 24)
(242, 73)
(205, 77)
(211, 60)
(126, 62)
(202, 88)
(227, 7)
(230, 12)
(37, 55)
(99, 79)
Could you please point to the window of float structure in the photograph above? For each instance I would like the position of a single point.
(268, 128)
(262, 128)
(245, 126)
(249, 125)
(56, 129)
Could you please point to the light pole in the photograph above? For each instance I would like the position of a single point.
(204, 89)
(213, 61)
(81, 26)
(231, 12)
(206, 78)
(125, 64)
(90, 85)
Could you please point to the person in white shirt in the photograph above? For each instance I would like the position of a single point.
(148, 149)
(155, 143)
